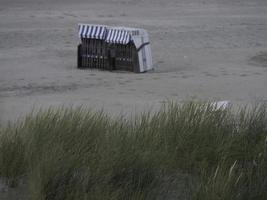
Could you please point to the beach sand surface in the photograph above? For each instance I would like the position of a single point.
(202, 49)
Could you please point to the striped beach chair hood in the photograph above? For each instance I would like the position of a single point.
(118, 36)
(92, 31)
(110, 35)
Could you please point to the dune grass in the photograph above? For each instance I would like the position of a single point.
(68, 153)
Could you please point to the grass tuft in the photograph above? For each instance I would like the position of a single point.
(183, 151)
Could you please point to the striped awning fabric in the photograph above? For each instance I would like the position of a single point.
(92, 31)
(118, 36)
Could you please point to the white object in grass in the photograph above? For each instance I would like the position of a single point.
(220, 105)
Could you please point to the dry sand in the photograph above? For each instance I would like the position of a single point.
(204, 49)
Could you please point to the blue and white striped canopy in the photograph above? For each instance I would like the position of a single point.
(118, 36)
(92, 31)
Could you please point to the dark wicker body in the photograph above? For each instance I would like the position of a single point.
(98, 54)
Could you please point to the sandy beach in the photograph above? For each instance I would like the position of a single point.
(202, 49)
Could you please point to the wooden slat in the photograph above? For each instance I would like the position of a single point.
(131, 58)
(84, 52)
(87, 41)
(98, 53)
(106, 57)
(90, 54)
(102, 54)
(93, 54)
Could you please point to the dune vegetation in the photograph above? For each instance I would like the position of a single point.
(183, 151)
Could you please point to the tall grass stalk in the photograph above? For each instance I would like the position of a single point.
(69, 153)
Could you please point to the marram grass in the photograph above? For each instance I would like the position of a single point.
(183, 151)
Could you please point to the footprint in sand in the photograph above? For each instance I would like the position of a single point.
(210, 75)
(185, 76)
(257, 73)
(225, 74)
(128, 81)
(69, 15)
(132, 89)
(150, 92)
(259, 60)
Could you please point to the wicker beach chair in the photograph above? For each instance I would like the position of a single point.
(113, 48)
